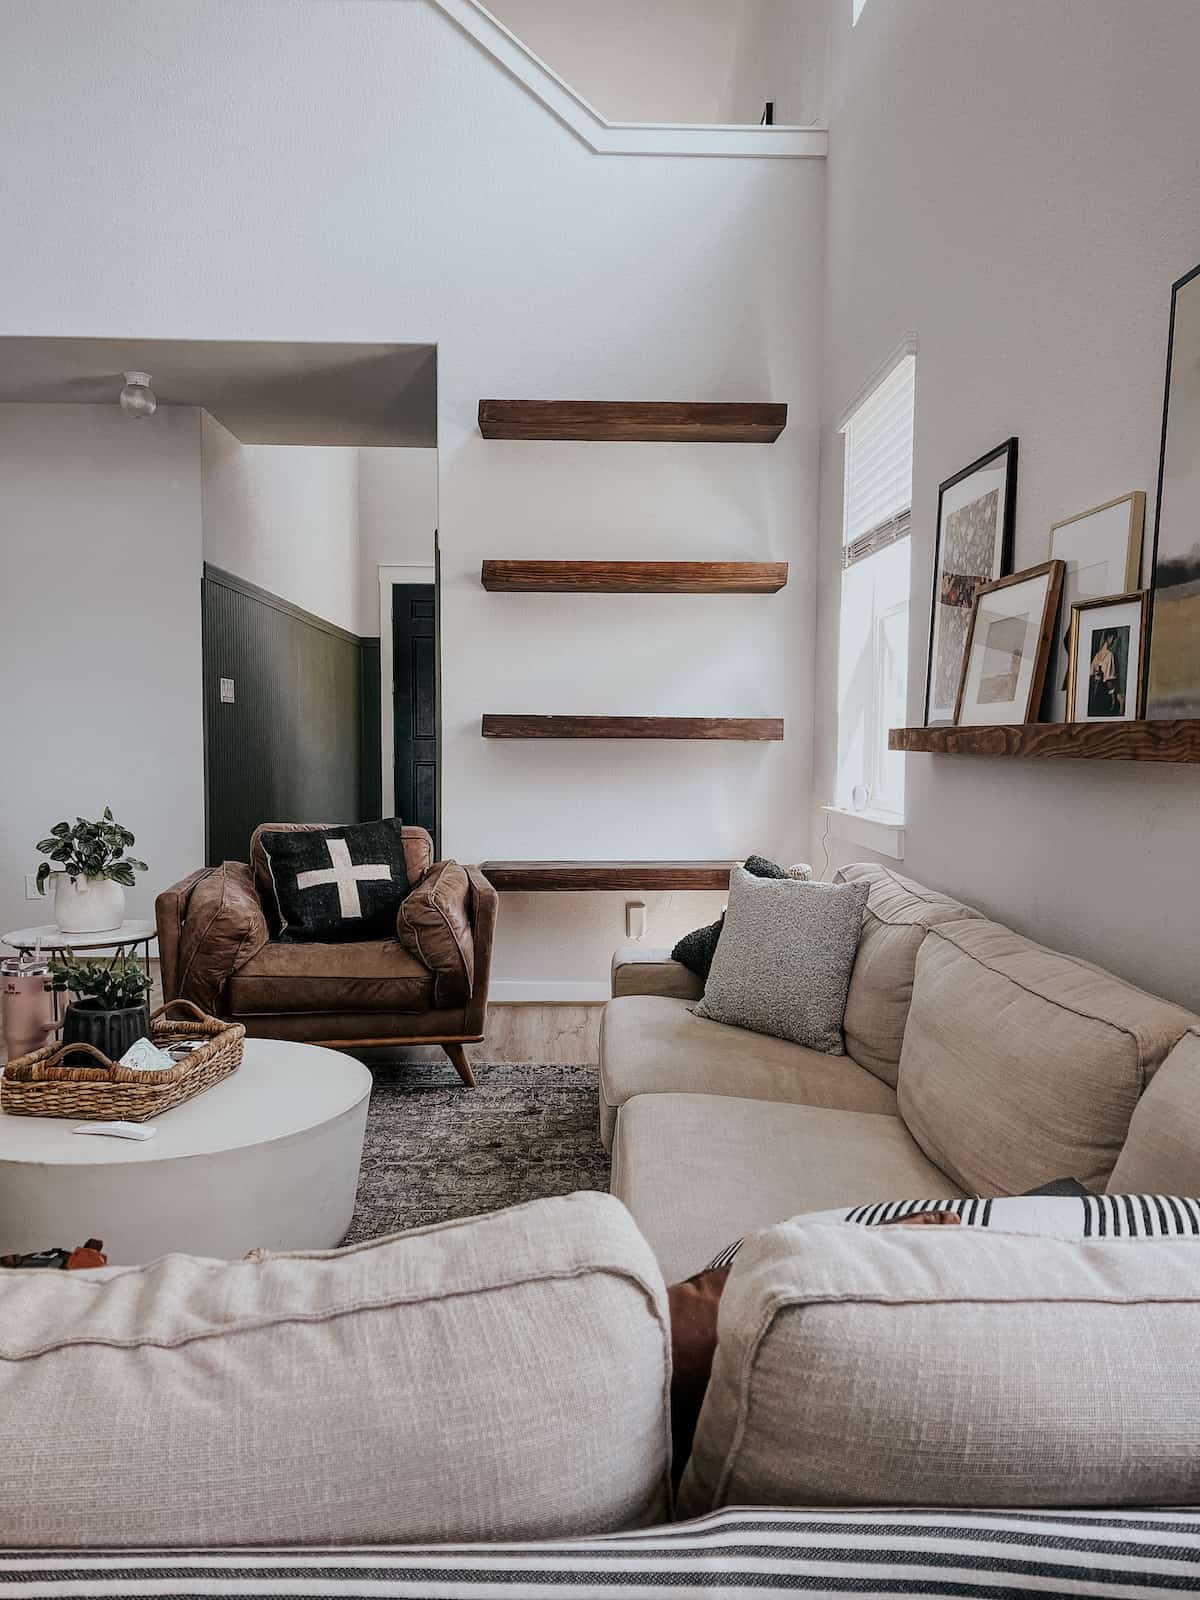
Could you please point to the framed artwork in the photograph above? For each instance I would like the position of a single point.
(1106, 637)
(974, 547)
(1008, 647)
(1103, 552)
(1174, 688)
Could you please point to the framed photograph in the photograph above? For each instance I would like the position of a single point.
(1103, 552)
(1174, 689)
(1106, 637)
(1008, 647)
(974, 547)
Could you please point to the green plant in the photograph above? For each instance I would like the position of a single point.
(113, 985)
(89, 850)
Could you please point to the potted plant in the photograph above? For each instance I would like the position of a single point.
(108, 1008)
(92, 873)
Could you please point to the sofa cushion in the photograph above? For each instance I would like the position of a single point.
(371, 975)
(898, 913)
(1161, 1153)
(434, 925)
(951, 1367)
(650, 1045)
(503, 1377)
(343, 882)
(698, 1170)
(223, 928)
(783, 962)
(695, 950)
(418, 857)
(1020, 1064)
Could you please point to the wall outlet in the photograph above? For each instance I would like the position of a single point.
(32, 892)
(635, 919)
(226, 691)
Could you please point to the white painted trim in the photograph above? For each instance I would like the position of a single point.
(624, 138)
(906, 347)
(518, 992)
(874, 830)
(389, 573)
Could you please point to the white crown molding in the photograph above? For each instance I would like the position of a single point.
(624, 138)
(906, 347)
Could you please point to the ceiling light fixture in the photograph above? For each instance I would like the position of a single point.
(137, 397)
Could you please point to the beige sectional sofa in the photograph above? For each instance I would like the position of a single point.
(977, 1062)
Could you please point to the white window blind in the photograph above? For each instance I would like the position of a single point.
(879, 440)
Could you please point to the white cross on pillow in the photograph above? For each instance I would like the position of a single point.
(346, 875)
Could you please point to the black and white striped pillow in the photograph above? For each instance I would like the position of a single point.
(919, 1554)
(1086, 1216)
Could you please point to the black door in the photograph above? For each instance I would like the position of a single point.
(414, 703)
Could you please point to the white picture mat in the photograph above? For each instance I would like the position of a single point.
(973, 487)
(1022, 606)
(1095, 620)
(1175, 635)
(1096, 548)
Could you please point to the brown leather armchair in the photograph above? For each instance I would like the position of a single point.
(428, 985)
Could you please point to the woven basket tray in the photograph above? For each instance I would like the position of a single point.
(39, 1085)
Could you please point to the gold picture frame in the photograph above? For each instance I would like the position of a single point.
(1102, 548)
(1123, 669)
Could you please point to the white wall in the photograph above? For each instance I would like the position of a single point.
(100, 638)
(635, 60)
(1018, 183)
(682, 60)
(285, 517)
(439, 202)
(397, 520)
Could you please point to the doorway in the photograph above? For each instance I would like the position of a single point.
(410, 617)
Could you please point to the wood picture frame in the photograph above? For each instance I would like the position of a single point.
(1023, 637)
(1117, 692)
(1102, 548)
(973, 545)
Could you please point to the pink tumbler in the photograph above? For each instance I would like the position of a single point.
(28, 1004)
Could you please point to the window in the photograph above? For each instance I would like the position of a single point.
(856, 10)
(873, 635)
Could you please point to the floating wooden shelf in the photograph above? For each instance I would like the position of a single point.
(634, 577)
(1088, 741)
(649, 421)
(497, 726)
(564, 876)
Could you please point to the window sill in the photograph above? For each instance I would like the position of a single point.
(880, 831)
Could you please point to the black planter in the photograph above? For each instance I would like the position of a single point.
(112, 1032)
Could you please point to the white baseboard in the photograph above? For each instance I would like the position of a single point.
(521, 992)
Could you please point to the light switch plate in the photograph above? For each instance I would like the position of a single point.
(32, 892)
(226, 691)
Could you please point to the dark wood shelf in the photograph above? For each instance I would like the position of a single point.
(568, 876)
(634, 577)
(639, 421)
(1086, 741)
(504, 726)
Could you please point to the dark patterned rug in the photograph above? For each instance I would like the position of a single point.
(435, 1150)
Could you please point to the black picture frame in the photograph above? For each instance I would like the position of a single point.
(1006, 453)
(1151, 709)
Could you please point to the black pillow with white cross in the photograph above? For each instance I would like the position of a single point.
(338, 884)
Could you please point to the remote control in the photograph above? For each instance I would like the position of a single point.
(118, 1130)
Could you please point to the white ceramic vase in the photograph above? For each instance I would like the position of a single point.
(87, 905)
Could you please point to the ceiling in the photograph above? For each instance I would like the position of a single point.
(263, 392)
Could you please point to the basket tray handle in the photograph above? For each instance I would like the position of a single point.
(64, 1050)
(200, 1016)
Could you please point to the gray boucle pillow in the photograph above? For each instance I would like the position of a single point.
(784, 959)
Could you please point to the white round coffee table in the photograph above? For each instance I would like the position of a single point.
(268, 1157)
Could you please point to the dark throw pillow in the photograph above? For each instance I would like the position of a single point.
(338, 884)
(695, 951)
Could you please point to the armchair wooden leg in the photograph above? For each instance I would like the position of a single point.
(458, 1058)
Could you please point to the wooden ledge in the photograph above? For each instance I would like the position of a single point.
(634, 577)
(1086, 741)
(634, 421)
(496, 725)
(575, 876)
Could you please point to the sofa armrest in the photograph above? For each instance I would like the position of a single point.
(222, 927)
(170, 907)
(638, 969)
(434, 925)
(485, 905)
